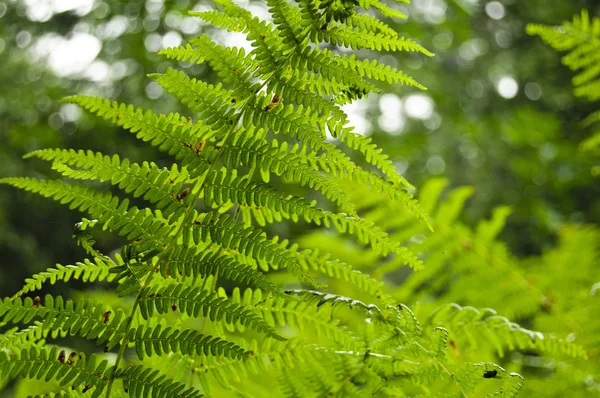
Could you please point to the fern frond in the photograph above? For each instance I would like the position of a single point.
(83, 318)
(132, 222)
(43, 363)
(190, 262)
(159, 341)
(581, 38)
(370, 24)
(356, 39)
(263, 358)
(282, 311)
(87, 271)
(264, 39)
(287, 18)
(368, 233)
(85, 239)
(295, 121)
(232, 64)
(289, 85)
(374, 156)
(196, 302)
(323, 61)
(276, 158)
(334, 268)
(292, 385)
(319, 298)
(293, 88)
(141, 382)
(469, 374)
(382, 8)
(222, 186)
(230, 234)
(316, 83)
(157, 185)
(171, 133)
(16, 339)
(591, 143)
(344, 168)
(513, 383)
(499, 331)
(212, 104)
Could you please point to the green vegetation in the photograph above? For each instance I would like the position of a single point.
(255, 242)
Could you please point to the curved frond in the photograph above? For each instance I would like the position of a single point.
(190, 262)
(485, 325)
(276, 158)
(581, 38)
(212, 104)
(132, 222)
(171, 133)
(159, 341)
(87, 271)
(196, 302)
(157, 185)
(44, 363)
(141, 382)
(230, 234)
(82, 318)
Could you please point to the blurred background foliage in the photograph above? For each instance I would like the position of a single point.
(499, 116)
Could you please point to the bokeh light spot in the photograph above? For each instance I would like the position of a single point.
(23, 39)
(418, 106)
(70, 112)
(392, 119)
(171, 39)
(475, 88)
(495, 10)
(390, 103)
(533, 91)
(507, 87)
(443, 41)
(153, 42)
(356, 112)
(73, 55)
(436, 165)
(154, 90)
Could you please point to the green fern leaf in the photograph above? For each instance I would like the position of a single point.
(159, 341)
(192, 262)
(157, 185)
(47, 364)
(140, 382)
(513, 383)
(195, 302)
(82, 318)
(131, 222)
(230, 234)
(212, 104)
(88, 271)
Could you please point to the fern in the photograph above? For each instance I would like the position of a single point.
(87, 271)
(43, 363)
(199, 301)
(581, 39)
